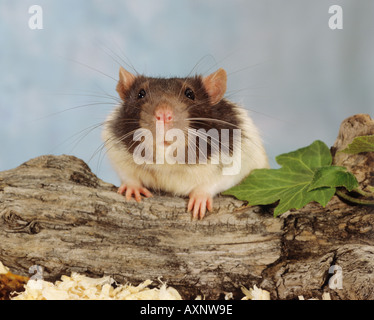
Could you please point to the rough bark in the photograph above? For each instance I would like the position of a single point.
(55, 213)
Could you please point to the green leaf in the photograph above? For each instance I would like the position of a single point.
(333, 176)
(292, 183)
(360, 144)
(307, 158)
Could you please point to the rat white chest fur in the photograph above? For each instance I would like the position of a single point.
(194, 106)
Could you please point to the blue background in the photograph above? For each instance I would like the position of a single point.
(297, 78)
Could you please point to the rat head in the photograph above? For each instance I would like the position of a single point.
(157, 105)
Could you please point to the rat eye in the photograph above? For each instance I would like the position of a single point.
(189, 94)
(141, 94)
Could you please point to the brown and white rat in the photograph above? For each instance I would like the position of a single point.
(150, 108)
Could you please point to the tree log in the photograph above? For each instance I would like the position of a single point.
(55, 213)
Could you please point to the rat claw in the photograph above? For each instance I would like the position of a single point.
(121, 189)
(137, 195)
(190, 204)
(146, 192)
(134, 190)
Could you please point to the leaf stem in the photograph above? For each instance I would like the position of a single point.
(345, 196)
(363, 193)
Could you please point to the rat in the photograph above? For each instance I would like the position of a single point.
(206, 129)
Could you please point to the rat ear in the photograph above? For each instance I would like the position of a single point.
(126, 79)
(215, 85)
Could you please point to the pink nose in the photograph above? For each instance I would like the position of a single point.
(164, 115)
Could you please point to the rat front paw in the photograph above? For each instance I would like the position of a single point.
(135, 190)
(199, 202)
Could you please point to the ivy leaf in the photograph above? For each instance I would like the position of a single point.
(360, 144)
(295, 184)
(333, 176)
(307, 158)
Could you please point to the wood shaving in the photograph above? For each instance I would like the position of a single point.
(80, 287)
(255, 294)
(3, 269)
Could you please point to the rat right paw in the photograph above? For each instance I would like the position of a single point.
(134, 190)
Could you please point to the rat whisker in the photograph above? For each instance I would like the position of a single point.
(84, 135)
(197, 120)
(213, 143)
(248, 67)
(216, 142)
(199, 152)
(74, 108)
(91, 68)
(132, 144)
(199, 62)
(99, 151)
(202, 103)
(92, 94)
(125, 136)
(128, 120)
(81, 135)
(123, 61)
(110, 143)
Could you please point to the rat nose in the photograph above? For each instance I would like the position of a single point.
(164, 114)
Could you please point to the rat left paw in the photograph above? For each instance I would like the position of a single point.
(199, 202)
